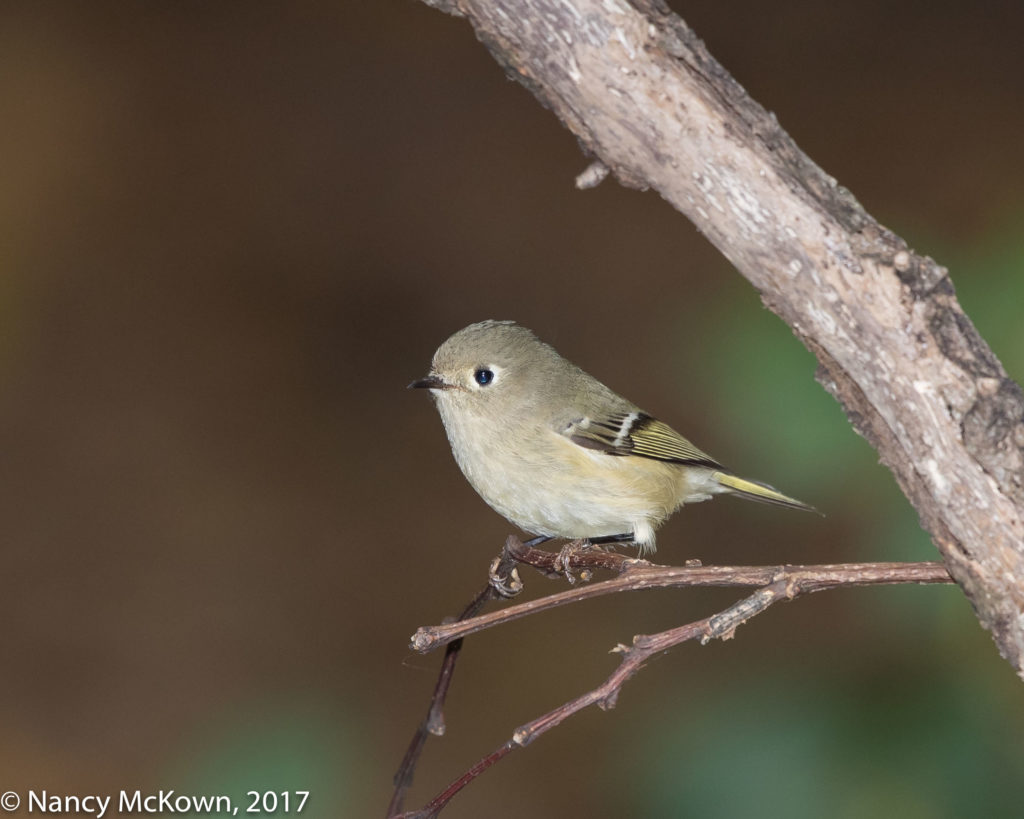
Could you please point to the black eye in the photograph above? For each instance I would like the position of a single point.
(483, 377)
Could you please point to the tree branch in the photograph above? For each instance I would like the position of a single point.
(646, 99)
(776, 583)
(641, 575)
(433, 722)
(504, 581)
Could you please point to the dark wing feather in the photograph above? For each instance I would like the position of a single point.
(637, 433)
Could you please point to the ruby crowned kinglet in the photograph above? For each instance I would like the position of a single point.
(557, 452)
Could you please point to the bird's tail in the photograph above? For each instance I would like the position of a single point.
(757, 491)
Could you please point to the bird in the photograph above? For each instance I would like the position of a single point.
(559, 454)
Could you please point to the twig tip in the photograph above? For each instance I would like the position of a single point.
(423, 640)
(594, 174)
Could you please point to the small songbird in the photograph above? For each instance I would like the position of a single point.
(557, 452)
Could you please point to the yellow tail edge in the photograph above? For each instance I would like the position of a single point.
(753, 490)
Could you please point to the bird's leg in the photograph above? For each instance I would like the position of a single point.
(536, 541)
(611, 540)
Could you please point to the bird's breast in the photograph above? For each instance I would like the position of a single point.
(546, 484)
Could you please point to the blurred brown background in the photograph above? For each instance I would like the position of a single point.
(232, 233)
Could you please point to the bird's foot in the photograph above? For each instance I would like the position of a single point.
(563, 560)
(506, 585)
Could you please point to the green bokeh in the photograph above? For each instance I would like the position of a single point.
(909, 745)
(989, 280)
(275, 747)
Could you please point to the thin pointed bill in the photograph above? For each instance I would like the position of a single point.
(430, 382)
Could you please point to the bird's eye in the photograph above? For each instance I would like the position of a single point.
(483, 376)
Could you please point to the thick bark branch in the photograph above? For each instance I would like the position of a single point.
(643, 96)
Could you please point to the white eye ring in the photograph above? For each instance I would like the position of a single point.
(485, 375)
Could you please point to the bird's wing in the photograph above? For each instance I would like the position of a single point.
(637, 433)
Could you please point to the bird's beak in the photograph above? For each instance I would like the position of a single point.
(431, 382)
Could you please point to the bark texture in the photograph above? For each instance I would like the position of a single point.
(643, 96)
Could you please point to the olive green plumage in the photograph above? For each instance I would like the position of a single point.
(557, 452)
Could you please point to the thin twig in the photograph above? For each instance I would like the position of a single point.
(433, 722)
(636, 575)
(784, 583)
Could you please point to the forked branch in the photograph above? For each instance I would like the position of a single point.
(774, 583)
